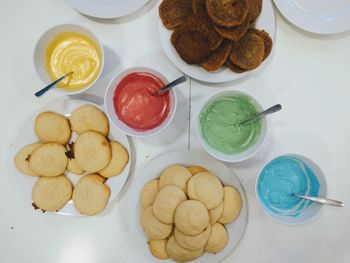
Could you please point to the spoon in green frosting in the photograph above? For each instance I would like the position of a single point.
(260, 115)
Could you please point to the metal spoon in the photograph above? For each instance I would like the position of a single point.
(260, 115)
(321, 200)
(42, 91)
(171, 85)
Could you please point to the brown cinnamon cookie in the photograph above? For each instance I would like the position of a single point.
(255, 7)
(233, 67)
(266, 38)
(218, 57)
(174, 12)
(191, 45)
(227, 12)
(234, 33)
(248, 52)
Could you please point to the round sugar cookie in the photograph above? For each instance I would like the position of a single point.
(74, 167)
(158, 248)
(215, 213)
(90, 196)
(120, 158)
(217, 240)
(52, 127)
(196, 169)
(206, 188)
(92, 151)
(49, 159)
(176, 175)
(52, 193)
(180, 254)
(193, 242)
(149, 193)
(164, 206)
(191, 217)
(153, 228)
(232, 205)
(22, 159)
(89, 118)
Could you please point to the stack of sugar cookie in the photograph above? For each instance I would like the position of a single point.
(184, 211)
(91, 155)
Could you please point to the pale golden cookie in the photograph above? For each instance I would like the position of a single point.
(89, 118)
(52, 127)
(164, 206)
(52, 193)
(176, 175)
(193, 242)
(180, 254)
(90, 196)
(74, 167)
(120, 158)
(191, 217)
(22, 159)
(232, 205)
(217, 240)
(92, 151)
(158, 248)
(149, 192)
(215, 213)
(49, 159)
(206, 188)
(196, 169)
(153, 228)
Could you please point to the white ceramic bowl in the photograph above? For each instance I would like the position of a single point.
(43, 42)
(108, 101)
(233, 157)
(308, 213)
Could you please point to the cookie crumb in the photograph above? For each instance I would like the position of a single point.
(35, 206)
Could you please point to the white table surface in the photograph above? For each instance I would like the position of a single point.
(309, 75)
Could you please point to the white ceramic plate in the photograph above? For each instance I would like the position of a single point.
(317, 16)
(106, 9)
(27, 135)
(265, 21)
(187, 158)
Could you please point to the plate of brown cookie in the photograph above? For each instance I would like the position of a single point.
(217, 41)
(186, 206)
(68, 160)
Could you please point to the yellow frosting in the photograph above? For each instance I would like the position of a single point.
(73, 52)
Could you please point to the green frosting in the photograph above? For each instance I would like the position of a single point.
(218, 124)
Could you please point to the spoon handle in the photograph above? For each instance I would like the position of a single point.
(262, 114)
(42, 91)
(172, 84)
(322, 200)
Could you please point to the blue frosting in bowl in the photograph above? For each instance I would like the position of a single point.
(282, 177)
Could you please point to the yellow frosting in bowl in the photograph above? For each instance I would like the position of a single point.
(73, 52)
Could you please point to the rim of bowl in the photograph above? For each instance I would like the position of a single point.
(262, 135)
(140, 134)
(96, 39)
(318, 175)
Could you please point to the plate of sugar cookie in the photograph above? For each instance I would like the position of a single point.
(217, 41)
(68, 160)
(186, 206)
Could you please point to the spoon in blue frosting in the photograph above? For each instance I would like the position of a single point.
(321, 200)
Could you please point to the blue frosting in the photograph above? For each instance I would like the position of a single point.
(280, 178)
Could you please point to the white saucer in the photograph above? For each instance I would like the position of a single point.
(27, 136)
(235, 229)
(317, 16)
(265, 21)
(106, 9)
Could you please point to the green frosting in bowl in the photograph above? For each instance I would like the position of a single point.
(218, 124)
